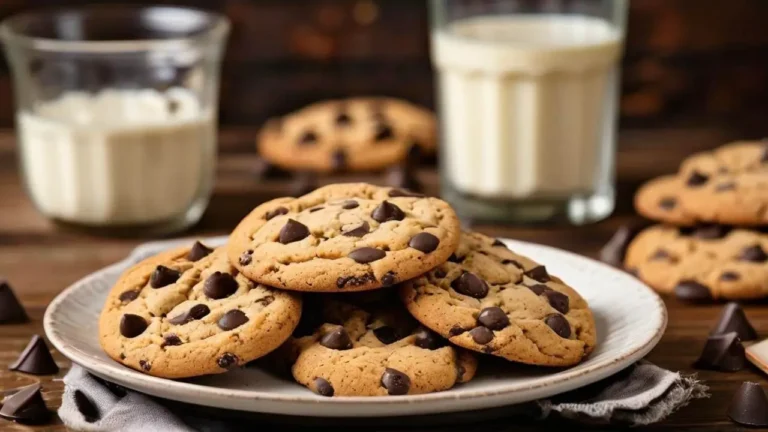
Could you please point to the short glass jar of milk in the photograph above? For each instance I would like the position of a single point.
(527, 93)
(116, 112)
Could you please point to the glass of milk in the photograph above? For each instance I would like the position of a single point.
(116, 113)
(527, 94)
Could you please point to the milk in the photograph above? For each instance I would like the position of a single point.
(524, 102)
(119, 157)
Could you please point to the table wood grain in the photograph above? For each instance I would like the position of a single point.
(40, 259)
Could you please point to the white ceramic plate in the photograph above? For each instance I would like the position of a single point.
(630, 321)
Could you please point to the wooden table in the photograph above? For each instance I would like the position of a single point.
(40, 259)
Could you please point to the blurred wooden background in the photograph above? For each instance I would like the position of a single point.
(687, 62)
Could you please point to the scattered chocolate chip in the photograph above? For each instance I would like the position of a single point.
(323, 387)
(246, 258)
(456, 259)
(129, 296)
(470, 285)
(697, 179)
(388, 279)
(36, 359)
(232, 319)
(754, 254)
(314, 209)
(387, 335)
(539, 289)
(337, 339)
(424, 242)
(339, 159)
(493, 317)
(559, 301)
(293, 231)
(427, 339)
(729, 276)
(613, 252)
(308, 137)
(668, 203)
(724, 187)
(387, 211)
(349, 204)
(440, 273)
(163, 276)
(659, 255)
(481, 335)
(303, 183)
(198, 252)
(400, 192)
(227, 361)
(343, 281)
(276, 212)
(219, 285)
(383, 132)
(366, 255)
(132, 325)
(456, 330)
(692, 291)
(196, 312)
(358, 231)
(11, 311)
(26, 406)
(343, 119)
(733, 319)
(396, 382)
(89, 411)
(722, 352)
(171, 340)
(402, 176)
(749, 405)
(559, 325)
(145, 365)
(538, 273)
(710, 232)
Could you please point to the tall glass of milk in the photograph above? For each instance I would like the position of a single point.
(527, 94)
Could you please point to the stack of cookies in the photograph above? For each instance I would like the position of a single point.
(368, 290)
(711, 243)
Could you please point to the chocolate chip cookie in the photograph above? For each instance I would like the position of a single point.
(701, 263)
(344, 237)
(358, 134)
(376, 350)
(492, 300)
(188, 312)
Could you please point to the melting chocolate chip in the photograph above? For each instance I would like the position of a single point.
(343, 119)
(366, 255)
(724, 187)
(697, 179)
(227, 361)
(196, 312)
(308, 137)
(613, 252)
(219, 285)
(733, 319)
(692, 291)
(710, 232)
(387, 211)
(402, 176)
(132, 325)
(387, 335)
(86, 407)
(163, 276)
(383, 132)
(349, 204)
(396, 382)
(493, 317)
(293, 231)
(198, 252)
(456, 330)
(668, 203)
(303, 183)
(323, 387)
(559, 325)
(424, 242)
(538, 273)
(470, 285)
(129, 296)
(388, 279)
(559, 301)
(729, 276)
(343, 281)
(456, 259)
(36, 359)
(145, 365)
(749, 405)
(722, 352)
(358, 231)
(171, 340)
(337, 339)
(754, 254)
(481, 335)
(246, 258)
(539, 289)
(26, 406)
(232, 320)
(339, 159)
(427, 339)
(11, 311)
(400, 192)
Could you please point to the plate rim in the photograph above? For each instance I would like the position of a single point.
(560, 382)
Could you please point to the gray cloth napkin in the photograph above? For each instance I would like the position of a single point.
(639, 395)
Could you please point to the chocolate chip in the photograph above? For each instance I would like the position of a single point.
(89, 411)
(36, 359)
(129, 296)
(358, 231)
(440, 273)
(163, 276)
(497, 242)
(366, 255)
(349, 204)
(196, 312)
(692, 291)
(219, 285)
(232, 319)
(456, 259)
(11, 311)
(198, 252)
(559, 301)
(400, 192)
(387, 335)
(388, 279)
(470, 285)
(668, 203)
(538, 273)
(710, 232)
(697, 179)
(613, 252)
(749, 405)
(383, 132)
(456, 330)
(308, 137)
(513, 262)
(402, 176)
(303, 183)
(729, 276)
(427, 339)
(660, 254)
(493, 317)
(171, 340)
(396, 382)
(343, 281)
(339, 159)
(559, 325)
(387, 211)
(276, 212)
(337, 339)
(724, 187)
(315, 209)
(733, 319)
(293, 231)
(424, 242)
(145, 365)
(539, 289)
(227, 361)
(343, 119)
(323, 387)
(246, 258)
(481, 335)
(132, 325)
(26, 406)
(722, 352)
(754, 254)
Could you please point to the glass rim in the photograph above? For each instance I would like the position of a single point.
(218, 29)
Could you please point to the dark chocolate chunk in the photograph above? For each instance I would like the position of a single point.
(559, 325)
(754, 254)
(307, 138)
(725, 186)
(481, 335)
(349, 204)
(36, 359)
(424, 242)
(339, 159)
(749, 405)
(402, 176)
(163, 276)
(456, 330)
(513, 262)
(314, 209)
(387, 335)
(194, 313)
(396, 382)
(26, 406)
(337, 339)
(399, 192)
(470, 285)
(232, 319)
(497, 242)
(276, 212)
(171, 340)
(11, 311)
(303, 183)
(493, 317)
(293, 231)
(219, 285)
(358, 231)
(227, 361)
(538, 273)
(387, 211)
(697, 179)
(343, 119)
(710, 232)
(456, 259)
(722, 352)
(132, 325)
(86, 407)
(668, 203)
(427, 339)
(323, 387)
(198, 252)
(389, 278)
(733, 319)
(145, 365)
(246, 258)
(383, 132)
(539, 289)
(613, 252)
(129, 296)
(559, 301)
(729, 276)
(343, 281)
(440, 273)
(692, 291)
(366, 254)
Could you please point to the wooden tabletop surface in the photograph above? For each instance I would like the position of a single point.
(39, 260)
